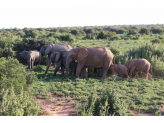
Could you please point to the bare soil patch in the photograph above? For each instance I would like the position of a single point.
(60, 107)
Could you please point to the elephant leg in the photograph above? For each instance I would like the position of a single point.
(146, 77)
(84, 71)
(78, 69)
(131, 71)
(57, 67)
(73, 67)
(126, 73)
(136, 74)
(47, 61)
(104, 73)
(62, 70)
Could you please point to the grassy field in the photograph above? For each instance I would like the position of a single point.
(139, 95)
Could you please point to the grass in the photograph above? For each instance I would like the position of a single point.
(139, 95)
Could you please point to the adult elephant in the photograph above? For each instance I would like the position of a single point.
(51, 48)
(24, 55)
(32, 57)
(97, 57)
(136, 65)
(60, 58)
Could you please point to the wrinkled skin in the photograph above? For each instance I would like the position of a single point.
(51, 48)
(60, 58)
(119, 69)
(97, 57)
(136, 65)
(33, 56)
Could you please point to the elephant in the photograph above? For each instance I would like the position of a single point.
(31, 57)
(136, 65)
(51, 48)
(24, 55)
(60, 58)
(119, 69)
(97, 57)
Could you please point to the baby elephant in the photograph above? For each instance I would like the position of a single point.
(60, 58)
(136, 65)
(119, 69)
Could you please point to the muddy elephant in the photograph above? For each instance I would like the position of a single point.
(32, 57)
(97, 57)
(51, 48)
(136, 65)
(119, 69)
(60, 58)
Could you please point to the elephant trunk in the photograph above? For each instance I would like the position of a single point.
(69, 60)
(48, 66)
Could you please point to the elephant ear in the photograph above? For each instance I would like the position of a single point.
(82, 54)
(24, 54)
(47, 49)
(131, 63)
(58, 54)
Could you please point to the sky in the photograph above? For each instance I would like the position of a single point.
(69, 13)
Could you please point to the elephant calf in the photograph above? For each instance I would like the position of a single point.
(136, 65)
(119, 69)
(60, 58)
(32, 57)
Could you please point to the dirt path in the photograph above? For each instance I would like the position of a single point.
(57, 106)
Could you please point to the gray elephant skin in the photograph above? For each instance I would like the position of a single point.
(51, 48)
(32, 57)
(60, 58)
(119, 69)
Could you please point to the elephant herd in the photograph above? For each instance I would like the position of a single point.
(79, 59)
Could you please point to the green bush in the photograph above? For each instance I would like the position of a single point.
(156, 30)
(107, 104)
(156, 41)
(132, 32)
(12, 73)
(22, 104)
(145, 31)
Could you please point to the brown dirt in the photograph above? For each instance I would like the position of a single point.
(141, 113)
(60, 107)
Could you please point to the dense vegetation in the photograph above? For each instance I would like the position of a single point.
(93, 95)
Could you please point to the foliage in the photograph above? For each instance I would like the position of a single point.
(17, 105)
(158, 41)
(145, 31)
(107, 104)
(12, 73)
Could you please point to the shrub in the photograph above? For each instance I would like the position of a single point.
(132, 32)
(156, 41)
(107, 104)
(156, 30)
(12, 73)
(17, 105)
(145, 31)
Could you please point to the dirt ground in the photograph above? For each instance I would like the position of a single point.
(60, 107)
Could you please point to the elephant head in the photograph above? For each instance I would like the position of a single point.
(129, 64)
(78, 54)
(54, 58)
(24, 54)
(45, 50)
